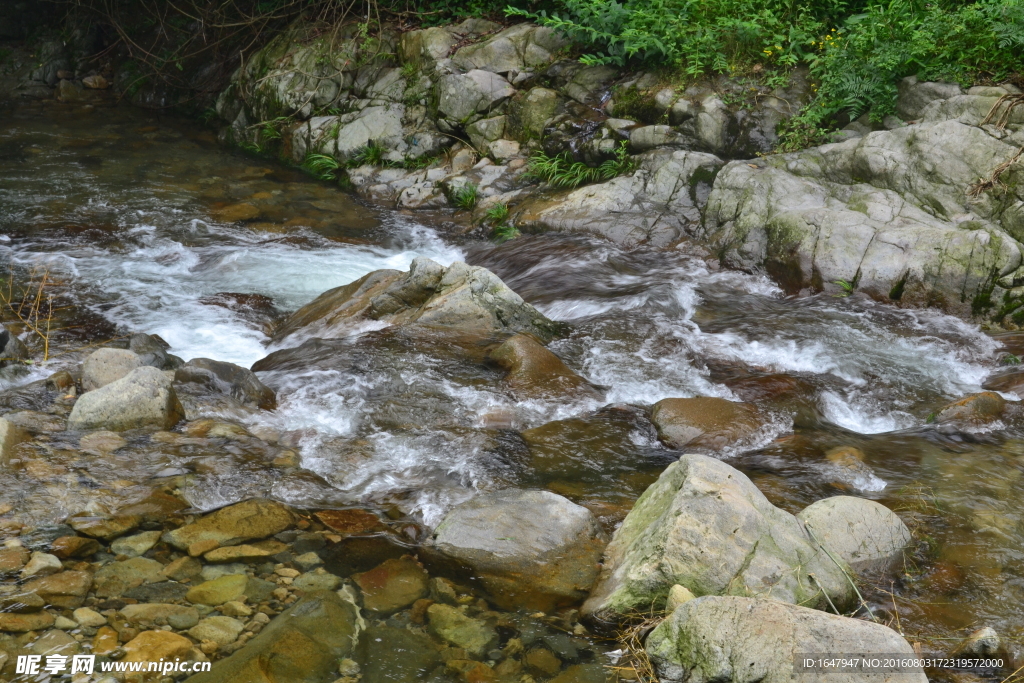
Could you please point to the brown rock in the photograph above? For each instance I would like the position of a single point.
(183, 569)
(67, 547)
(536, 372)
(96, 82)
(704, 422)
(541, 661)
(20, 623)
(470, 671)
(154, 646)
(21, 603)
(260, 550)
(202, 547)
(349, 522)
(253, 519)
(975, 409)
(105, 641)
(393, 585)
(12, 559)
(418, 613)
(235, 212)
(64, 589)
(106, 528)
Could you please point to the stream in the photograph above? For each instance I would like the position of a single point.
(132, 217)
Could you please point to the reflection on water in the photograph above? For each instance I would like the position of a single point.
(148, 226)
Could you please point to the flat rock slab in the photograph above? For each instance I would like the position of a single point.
(728, 638)
(253, 519)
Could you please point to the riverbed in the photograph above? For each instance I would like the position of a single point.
(145, 224)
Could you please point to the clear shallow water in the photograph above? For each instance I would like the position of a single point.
(132, 216)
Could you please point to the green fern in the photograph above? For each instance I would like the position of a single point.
(322, 166)
(373, 154)
(504, 232)
(465, 197)
(561, 171)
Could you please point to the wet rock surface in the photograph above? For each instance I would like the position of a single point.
(715, 638)
(703, 525)
(529, 548)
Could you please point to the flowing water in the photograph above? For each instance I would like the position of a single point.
(134, 220)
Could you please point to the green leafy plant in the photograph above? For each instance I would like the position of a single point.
(847, 288)
(322, 166)
(497, 214)
(561, 171)
(372, 154)
(504, 232)
(465, 196)
(1010, 359)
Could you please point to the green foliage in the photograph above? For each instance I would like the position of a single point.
(857, 49)
(504, 232)
(561, 171)
(322, 166)
(465, 197)
(373, 154)
(1010, 359)
(847, 287)
(497, 214)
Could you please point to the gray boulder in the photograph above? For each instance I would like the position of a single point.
(531, 113)
(531, 549)
(427, 47)
(104, 366)
(467, 298)
(463, 97)
(657, 205)
(485, 131)
(11, 348)
(913, 95)
(230, 379)
(862, 533)
(524, 47)
(705, 526)
(887, 212)
(381, 125)
(303, 645)
(142, 398)
(748, 640)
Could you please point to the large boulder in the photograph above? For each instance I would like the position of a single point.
(142, 398)
(464, 97)
(704, 421)
(864, 534)
(523, 47)
(302, 645)
(913, 96)
(745, 640)
(227, 378)
(531, 549)
(247, 521)
(657, 205)
(467, 298)
(104, 366)
(536, 372)
(886, 213)
(705, 526)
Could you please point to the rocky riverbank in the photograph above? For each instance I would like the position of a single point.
(509, 586)
(448, 117)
